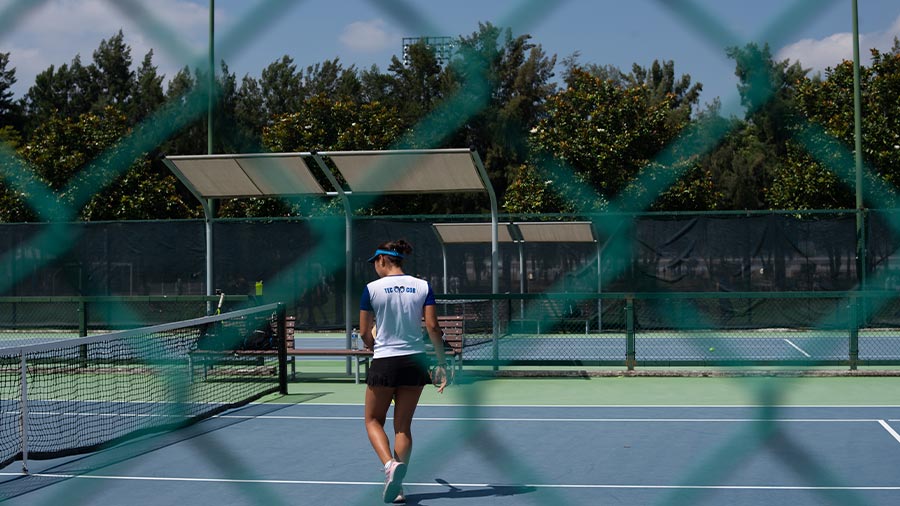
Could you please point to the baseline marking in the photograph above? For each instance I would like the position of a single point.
(456, 485)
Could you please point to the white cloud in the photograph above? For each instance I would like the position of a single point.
(819, 54)
(58, 30)
(367, 36)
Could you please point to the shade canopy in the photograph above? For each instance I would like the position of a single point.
(211, 177)
(392, 172)
(558, 231)
(290, 174)
(256, 175)
(540, 231)
(466, 233)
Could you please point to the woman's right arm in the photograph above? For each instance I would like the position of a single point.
(366, 324)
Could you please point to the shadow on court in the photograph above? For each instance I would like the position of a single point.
(458, 493)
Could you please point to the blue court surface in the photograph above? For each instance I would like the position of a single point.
(312, 454)
(772, 345)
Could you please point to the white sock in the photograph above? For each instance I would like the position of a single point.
(387, 465)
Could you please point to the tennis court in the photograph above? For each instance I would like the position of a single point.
(523, 441)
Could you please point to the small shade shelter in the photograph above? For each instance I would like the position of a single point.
(520, 233)
(211, 177)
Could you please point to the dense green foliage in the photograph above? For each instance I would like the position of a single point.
(86, 140)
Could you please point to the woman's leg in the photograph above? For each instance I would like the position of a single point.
(405, 402)
(378, 400)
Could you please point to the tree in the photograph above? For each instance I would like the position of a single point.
(505, 81)
(249, 110)
(595, 138)
(69, 91)
(85, 164)
(754, 150)
(325, 124)
(330, 79)
(660, 84)
(819, 172)
(192, 139)
(10, 109)
(767, 89)
(115, 79)
(414, 90)
(282, 87)
(149, 95)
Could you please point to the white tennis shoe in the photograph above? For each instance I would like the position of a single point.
(393, 480)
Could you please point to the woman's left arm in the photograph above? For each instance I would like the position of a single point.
(434, 333)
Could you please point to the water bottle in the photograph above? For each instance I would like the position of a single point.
(354, 340)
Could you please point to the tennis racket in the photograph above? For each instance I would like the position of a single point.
(438, 374)
(221, 299)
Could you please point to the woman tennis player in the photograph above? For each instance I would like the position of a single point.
(399, 370)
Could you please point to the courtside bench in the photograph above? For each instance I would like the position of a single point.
(360, 357)
(453, 328)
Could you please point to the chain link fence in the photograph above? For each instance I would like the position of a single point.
(616, 323)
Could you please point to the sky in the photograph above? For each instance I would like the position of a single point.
(251, 34)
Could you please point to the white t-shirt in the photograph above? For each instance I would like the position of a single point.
(399, 304)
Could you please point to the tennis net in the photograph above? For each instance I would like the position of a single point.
(84, 394)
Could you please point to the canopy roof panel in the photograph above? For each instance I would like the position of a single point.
(543, 231)
(558, 231)
(430, 171)
(463, 233)
(258, 175)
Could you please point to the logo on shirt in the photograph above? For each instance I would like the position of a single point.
(399, 289)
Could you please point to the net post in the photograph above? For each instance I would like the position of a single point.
(629, 334)
(281, 331)
(854, 330)
(82, 317)
(23, 411)
(83, 330)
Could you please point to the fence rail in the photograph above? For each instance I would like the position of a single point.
(26, 319)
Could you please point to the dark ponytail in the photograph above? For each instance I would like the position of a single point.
(400, 246)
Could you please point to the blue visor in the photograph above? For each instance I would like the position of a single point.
(384, 252)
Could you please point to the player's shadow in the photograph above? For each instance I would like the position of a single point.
(458, 493)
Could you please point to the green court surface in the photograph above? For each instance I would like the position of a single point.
(629, 391)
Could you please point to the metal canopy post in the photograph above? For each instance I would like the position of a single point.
(348, 251)
(495, 256)
(517, 238)
(208, 217)
(208, 205)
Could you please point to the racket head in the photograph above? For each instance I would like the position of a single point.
(438, 374)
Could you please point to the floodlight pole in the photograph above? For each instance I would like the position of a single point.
(212, 78)
(857, 133)
(209, 206)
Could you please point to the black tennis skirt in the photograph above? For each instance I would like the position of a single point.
(401, 371)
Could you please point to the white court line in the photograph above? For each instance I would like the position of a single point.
(797, 347)
(455, 485)
(890, 430)
(557, 420)
(606, 406)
